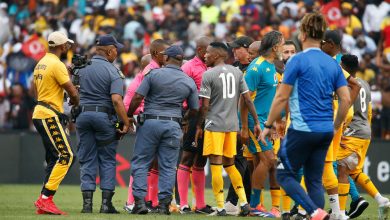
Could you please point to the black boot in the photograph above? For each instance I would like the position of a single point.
(163, 207)
(107, 206)
(139, 207)
(87, 201)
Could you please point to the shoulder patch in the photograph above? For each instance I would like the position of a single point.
(147, 71)
(254, 69)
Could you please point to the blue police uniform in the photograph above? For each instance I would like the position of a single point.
(96, 127)
(164, 90)
(95, 124)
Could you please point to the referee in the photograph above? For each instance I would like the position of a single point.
(51, 78)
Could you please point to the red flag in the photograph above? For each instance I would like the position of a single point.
(34, 48)
(332, 12)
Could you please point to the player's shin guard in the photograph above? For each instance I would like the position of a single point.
(343, 195)
(153, 191)
(329, 177)
(217, 184)
(275, 197)
(236, 179)
(130, 197)
(199, 182)
(183, 179)
(286, 201)
(364, 181)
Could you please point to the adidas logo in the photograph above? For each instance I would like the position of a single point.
(280, 166)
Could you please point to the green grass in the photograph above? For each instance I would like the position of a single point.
(17, 203)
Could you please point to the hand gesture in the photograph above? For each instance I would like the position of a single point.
(198, 135)
(257, 130)
(244, 136)
(265, 134)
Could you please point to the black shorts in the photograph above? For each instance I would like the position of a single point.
(189, 137)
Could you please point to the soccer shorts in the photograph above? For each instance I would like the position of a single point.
(219, 143)
(353, 146)
(256, 146)
(276, 146)
(189, 137)
(247, 154)
(331, 155)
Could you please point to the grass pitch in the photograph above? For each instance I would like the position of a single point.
(17, 203)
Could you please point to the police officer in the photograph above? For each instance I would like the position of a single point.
(159, 131)
(101, 92)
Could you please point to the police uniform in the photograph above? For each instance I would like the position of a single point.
(164, 90)
(95, 125)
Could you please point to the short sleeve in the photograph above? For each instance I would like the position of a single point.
(243, 85)
(144, 88)
(61, 74)
(187, 69)
(205, 87)
(193, 100)
(291, 71)
(340, 79)
(116, 86)
(252, 77)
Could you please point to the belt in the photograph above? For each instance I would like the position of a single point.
(164, 118)
(95, 108)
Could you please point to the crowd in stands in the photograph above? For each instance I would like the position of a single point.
(25, 25)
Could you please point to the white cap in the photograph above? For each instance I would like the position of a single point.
(58, 38)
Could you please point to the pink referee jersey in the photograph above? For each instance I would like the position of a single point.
(194, 68)
(135, 84)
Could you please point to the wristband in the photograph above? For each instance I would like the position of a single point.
(267, 126)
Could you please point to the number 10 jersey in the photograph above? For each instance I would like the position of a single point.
(223, 85)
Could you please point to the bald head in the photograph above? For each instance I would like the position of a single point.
(254, 50)
(145, 60)
(156, 47)
(201, 45)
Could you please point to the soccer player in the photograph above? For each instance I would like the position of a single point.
(355, 142)
(262, 82)
(192, 159)
(51, 79)
(309, 81)
(240, 47)
(253, 50)
(220, 92)
(331, 45)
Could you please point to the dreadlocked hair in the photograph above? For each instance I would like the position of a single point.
(313, 25)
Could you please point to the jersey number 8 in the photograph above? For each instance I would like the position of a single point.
(228, 84)
(363, 104)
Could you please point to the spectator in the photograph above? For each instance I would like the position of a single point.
(290, 5)
(196, 27)
(20, 109)
(209, 12)
(373, 15)
(348, 21)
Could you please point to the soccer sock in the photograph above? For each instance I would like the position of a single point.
(255, 197)
(286, 201)
(334, 203)
(275, 197)
(153, 192)
(236, 179)
(329, 177)
(183, 179)
(292, 187)
(217, 184)
(353, 191)
(199, 183)
(262, 198)
(380, 199)
(130, 197)
(364, 181)
(149, 179)
(343, 195)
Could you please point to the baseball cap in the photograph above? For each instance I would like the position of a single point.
(334, 36)
(58, 38)
(107, 40)
(173, 51)
(243, 41)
